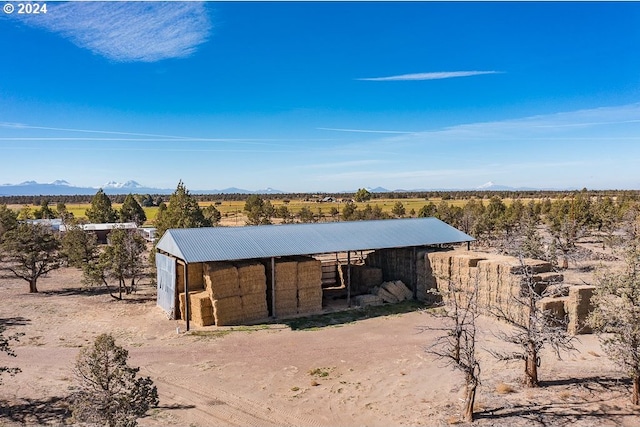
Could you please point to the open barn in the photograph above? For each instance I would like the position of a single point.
(239, 275)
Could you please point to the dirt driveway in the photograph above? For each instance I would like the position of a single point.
(372, 372)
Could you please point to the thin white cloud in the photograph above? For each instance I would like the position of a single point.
(367, 130)
(129, 31)
(341, 165)
(429, 76)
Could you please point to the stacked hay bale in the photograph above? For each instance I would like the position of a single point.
(285, 287)
(425, 279)
(309, 283)
(499, 283)
(196, 283)
(578, 308)
(200, 308)
(554, 308)
(253, 291)
(222, 285)
(440, 265)
(194, 273)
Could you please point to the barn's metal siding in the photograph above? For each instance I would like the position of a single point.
(166, 268)
(266, 241)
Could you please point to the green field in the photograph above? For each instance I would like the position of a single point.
(233, 209)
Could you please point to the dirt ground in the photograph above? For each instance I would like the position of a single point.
(372, 372)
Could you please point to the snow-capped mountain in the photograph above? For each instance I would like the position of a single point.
(128, 184)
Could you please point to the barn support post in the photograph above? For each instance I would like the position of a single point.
(186, 294)
(273, 287)
(468, 246)
(348, 278)
(414, 273)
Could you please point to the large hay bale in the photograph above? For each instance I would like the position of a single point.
(309, 273)
(286, 302)
(310, 300)
(385, 295)
(194, 274)
(254, 307)
(200, 308)
(578, 307)
(221, 280)
(515, 266)
(555, 308)
(397, 289)
(286, 274)
(251, 278)
(228, 311)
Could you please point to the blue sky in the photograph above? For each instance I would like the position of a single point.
(327, 96)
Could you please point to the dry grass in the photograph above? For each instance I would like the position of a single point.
(504, 388)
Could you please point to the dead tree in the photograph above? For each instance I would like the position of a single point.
(457, 345)
(532, 327)
(616, 313)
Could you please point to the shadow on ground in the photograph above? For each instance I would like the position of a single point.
(570, 410)
(14, 321)
(353, 314)
(54, 410)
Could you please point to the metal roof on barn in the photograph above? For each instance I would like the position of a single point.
(266, 241)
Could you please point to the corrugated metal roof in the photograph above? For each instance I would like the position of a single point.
(266, 241)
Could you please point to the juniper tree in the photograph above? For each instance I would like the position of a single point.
(120, 261)
(109, 391)
(101, 210)
(182, 211)
(8, 219)
(31, 251)
(5, 347)
(131, 211)
(259, 212)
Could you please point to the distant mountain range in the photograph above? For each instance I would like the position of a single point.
(63, 188)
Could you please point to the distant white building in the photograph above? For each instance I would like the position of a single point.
(149, 233)
(102, 230)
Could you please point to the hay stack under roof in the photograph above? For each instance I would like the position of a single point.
(221, 280)
(254, 307)
(228, 311)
